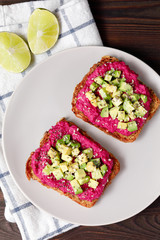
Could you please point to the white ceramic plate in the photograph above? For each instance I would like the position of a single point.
(43, 98)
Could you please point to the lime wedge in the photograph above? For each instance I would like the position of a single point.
(14, 52)
(43, 31)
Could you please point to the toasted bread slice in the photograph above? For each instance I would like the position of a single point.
(132, 137)
(31, 175)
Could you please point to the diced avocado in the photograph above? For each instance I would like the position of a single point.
(66, 138)
(94, 102)
(111, 88)
(104, 169)
(108, 77)
(126, 119)
(114, 112)
(115, 82)
(136, 104)
(73, 167)
(144, 98)
(90, 167)
(105, 84)
(59, 143)
(93, 183)
(82, 158)
(55, 162)
(117, 101)
(132, 126)
(104, 112)
(66, 158)
(122, 125)
(104, 94)
(101, 104)
(75, 152)
(99, 80)
(94, 86)
(116, 93)
(58, 174)
(69, 177)
(76, 187)
(132, 116)
(127, 105)
(140, 111)
(64, 149)
(84, 180)
(116, 74)
(64, 166)
(125, 87)
(96, 161)
(75, 144)
(97, 174)
(48, 169)
(79, 174)
(121, 115)
(135, 97)
(90, 95)
(52, 153)
(88, 152)
(83, 166)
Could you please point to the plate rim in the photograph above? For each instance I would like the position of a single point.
(12, 99)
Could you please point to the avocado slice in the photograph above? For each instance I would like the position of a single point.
(144, 98)
(96, 161)
(104, 112)
(125, 87)
(47, 169)
(104, 94)
(94, 86)
(113, 112)
(88, 152)
(122, 125)
(132, 126)
(127, 105)
(117, 101)
(116, 74)
(99, 80)
(104, 169)
(84, 180)
(66, 138)
(93, 183)
(108, 77)
(140, 111)
(79, 174)
(76, 187)
(97, 174)
(58, 174)
(101, 104)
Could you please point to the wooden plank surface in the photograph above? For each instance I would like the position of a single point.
(134, 27)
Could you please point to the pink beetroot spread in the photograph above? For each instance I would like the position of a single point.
(93, 113)
(40, 159)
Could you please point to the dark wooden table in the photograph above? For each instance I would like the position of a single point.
(134, 27)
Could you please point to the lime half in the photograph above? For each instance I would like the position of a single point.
(43, 31)
(14, 52)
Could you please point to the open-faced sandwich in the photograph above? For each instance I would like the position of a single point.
(111, 98)
(72, 163)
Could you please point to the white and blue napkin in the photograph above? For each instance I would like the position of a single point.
(78, 28)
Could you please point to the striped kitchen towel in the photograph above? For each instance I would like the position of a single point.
(77, 29)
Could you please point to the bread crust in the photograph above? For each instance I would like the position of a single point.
(30, 174)
(153, 108)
